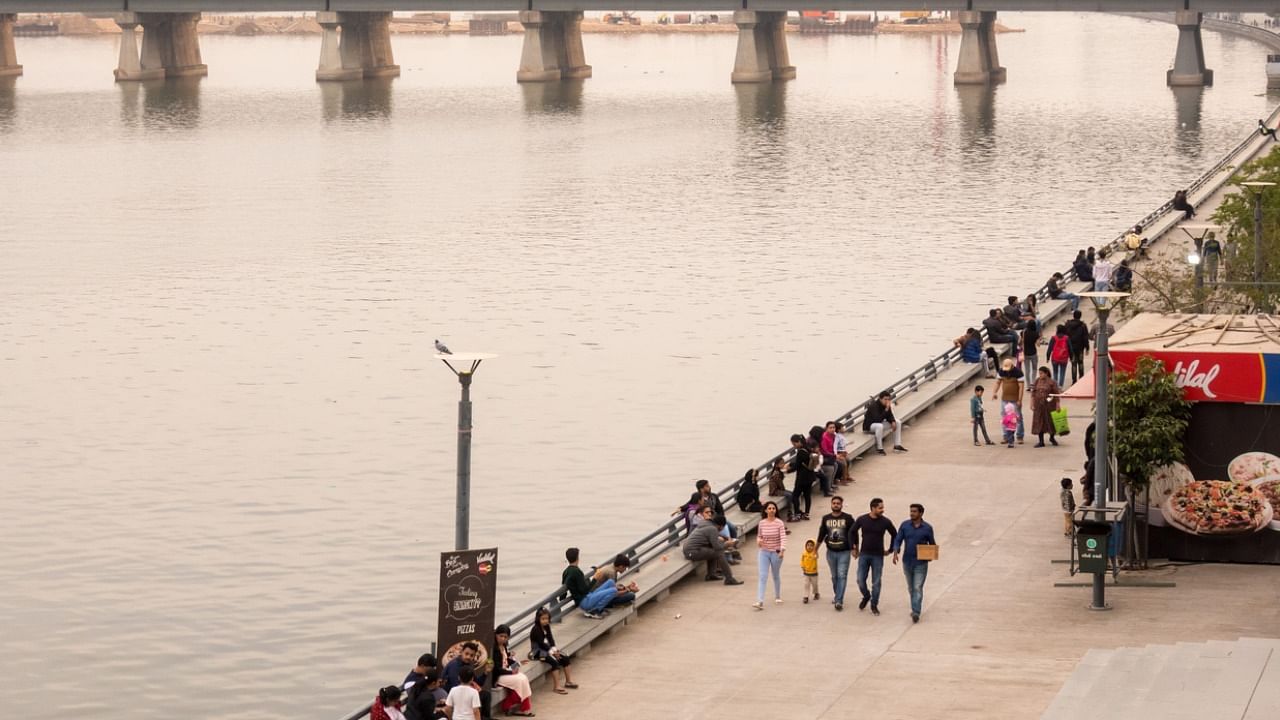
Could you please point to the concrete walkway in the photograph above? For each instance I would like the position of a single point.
(997, 639)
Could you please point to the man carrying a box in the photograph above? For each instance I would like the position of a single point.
(911, 535)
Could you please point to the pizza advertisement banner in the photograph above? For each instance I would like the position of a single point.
(1222, 505)
(1224, 377)
(468, 593)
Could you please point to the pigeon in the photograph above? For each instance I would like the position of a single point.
(442, 348)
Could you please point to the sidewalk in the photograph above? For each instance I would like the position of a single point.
(996, 640)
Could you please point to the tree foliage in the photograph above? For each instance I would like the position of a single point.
(1235, 214)
(1150, 418)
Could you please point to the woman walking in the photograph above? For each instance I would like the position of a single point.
(506, 673)
(771, 538)
(544, 649)
(1042, 404)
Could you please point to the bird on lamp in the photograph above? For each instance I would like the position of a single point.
(442, 348)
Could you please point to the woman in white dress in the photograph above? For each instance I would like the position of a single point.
(507, 674)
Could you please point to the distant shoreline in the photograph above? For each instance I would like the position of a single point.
(74, 24)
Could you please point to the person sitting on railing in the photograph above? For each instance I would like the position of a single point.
(386, 706)
(1013, 313)
(748, 497)
(426, 663)
(880, 420)
(426, 699)
(1265, 131)
(621, 563)
(573, 578)
(971, 351)
(543, 647)
(507, 674)
(996, 332)
(777, 480)
(1054, 286)
(468, 659)
(701, 496)
(1083, 267)
(1181, 203)
(1123, 278)
(705, 544)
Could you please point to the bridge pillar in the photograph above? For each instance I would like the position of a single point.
(762, 47)
(331, 67)
(9, 66)
(364, 47)
(170, 46)
(979, 62)
(1188, 62)
(552, 47)
(998, 72)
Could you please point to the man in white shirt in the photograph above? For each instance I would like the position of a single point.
(463, 702)
(1102, 272)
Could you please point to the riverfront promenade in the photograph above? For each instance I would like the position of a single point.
(997, 639)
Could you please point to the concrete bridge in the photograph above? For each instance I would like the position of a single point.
(356, 40)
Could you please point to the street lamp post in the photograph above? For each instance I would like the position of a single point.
(1197, 257)
(467, 363)
(1256, 188)
(1103, 303)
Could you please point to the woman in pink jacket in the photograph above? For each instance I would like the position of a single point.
(771, 538)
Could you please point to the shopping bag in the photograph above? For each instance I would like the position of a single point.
(1060, 425)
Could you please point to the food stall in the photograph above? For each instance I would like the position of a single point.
(1221, 505)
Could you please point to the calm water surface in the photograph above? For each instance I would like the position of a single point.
(227, 455)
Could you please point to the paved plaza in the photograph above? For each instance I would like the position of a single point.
(997, 639)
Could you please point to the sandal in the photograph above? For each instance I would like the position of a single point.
(562, 691)
(571, 686)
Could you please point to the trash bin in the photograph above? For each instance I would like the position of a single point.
(1091, 545)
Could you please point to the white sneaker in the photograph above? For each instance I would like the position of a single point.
(758, 606)
(777, 601)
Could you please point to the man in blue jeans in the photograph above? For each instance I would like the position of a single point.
(836, 529)
(912, 534)
(870, 552)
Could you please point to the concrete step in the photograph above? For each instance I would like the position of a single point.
(1265, 702)
(1075, 692)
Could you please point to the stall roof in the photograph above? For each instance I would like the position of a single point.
(1176, 333)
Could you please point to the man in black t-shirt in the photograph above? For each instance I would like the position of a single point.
(870, 551)
(836, 529)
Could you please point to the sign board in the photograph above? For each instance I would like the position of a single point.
(468, 590)
(1225, 377)
(1092, 551)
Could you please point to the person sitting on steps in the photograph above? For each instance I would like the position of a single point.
(880, 419)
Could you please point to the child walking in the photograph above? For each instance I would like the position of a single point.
(1068, 506)
(809, 565)
(1009, 422)
(978, 416)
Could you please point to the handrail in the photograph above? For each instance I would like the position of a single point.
(668, 535)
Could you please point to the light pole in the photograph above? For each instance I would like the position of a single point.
(467, 363)
(1256, 188)
(1103, 302)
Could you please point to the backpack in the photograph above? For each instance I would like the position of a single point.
(1060, 353)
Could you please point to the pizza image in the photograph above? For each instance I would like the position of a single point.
(1164, 480)
(1218, 507)
(1253, 465)
(1270, 488)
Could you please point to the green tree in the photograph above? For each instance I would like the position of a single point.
(1235, 214)
(1149, 423)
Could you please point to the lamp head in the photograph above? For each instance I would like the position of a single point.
(1103, 301)
(1193, 257)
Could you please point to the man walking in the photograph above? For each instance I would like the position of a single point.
(1078, 342)
(914, 533)
(870, 552)
(880, 420)
(836, 529)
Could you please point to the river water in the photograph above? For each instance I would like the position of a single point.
(228, 455)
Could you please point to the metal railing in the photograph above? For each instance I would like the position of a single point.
(669, 534)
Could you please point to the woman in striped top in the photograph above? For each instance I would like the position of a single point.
(771, 538)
